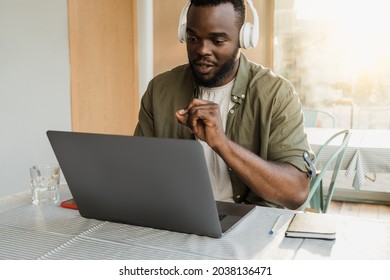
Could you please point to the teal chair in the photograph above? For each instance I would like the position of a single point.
(316, 199)
(314, 117)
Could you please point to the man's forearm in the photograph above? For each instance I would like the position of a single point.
(280, 183)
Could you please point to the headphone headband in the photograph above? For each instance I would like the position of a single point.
(183, 22)
(249, 33)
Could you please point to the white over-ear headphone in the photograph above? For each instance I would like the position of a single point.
(249, 33)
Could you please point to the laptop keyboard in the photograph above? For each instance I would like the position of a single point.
(221, 216)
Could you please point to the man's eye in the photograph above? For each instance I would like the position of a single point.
(191, 39)
(218, 41)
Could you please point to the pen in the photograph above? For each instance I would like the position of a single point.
(274, 227)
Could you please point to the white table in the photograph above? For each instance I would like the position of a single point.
(368, 151)
(51, 232)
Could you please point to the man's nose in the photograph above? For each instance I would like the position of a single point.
(204, 48)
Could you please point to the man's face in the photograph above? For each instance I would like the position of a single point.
(213, 44)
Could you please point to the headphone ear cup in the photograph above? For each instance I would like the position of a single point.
(246, 35)
(182, 33)
(181, 29)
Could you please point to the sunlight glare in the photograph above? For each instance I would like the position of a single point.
(362, 31)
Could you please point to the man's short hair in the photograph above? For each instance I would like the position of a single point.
(239, 7)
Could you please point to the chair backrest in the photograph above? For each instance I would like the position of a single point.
(318, 118)
(316, 199)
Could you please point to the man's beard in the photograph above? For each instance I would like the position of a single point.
(223, 72)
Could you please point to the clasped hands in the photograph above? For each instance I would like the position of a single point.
(203, 119)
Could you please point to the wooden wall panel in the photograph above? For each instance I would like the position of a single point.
(103, 59)
(168, 52)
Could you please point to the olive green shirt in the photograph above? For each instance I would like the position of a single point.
(266, 119)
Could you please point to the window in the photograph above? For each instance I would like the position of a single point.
(336, 53)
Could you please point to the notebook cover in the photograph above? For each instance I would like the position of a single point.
(309, 225)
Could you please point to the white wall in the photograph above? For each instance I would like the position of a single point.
(34, 85)
(145, 44)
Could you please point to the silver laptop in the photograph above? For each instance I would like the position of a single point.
(151, 182)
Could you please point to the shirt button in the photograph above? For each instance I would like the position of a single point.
(243, 96)
(238, 196)
(235, 97)
(231, 111)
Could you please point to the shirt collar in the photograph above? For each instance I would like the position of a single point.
(242, 78)
(238, 94)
